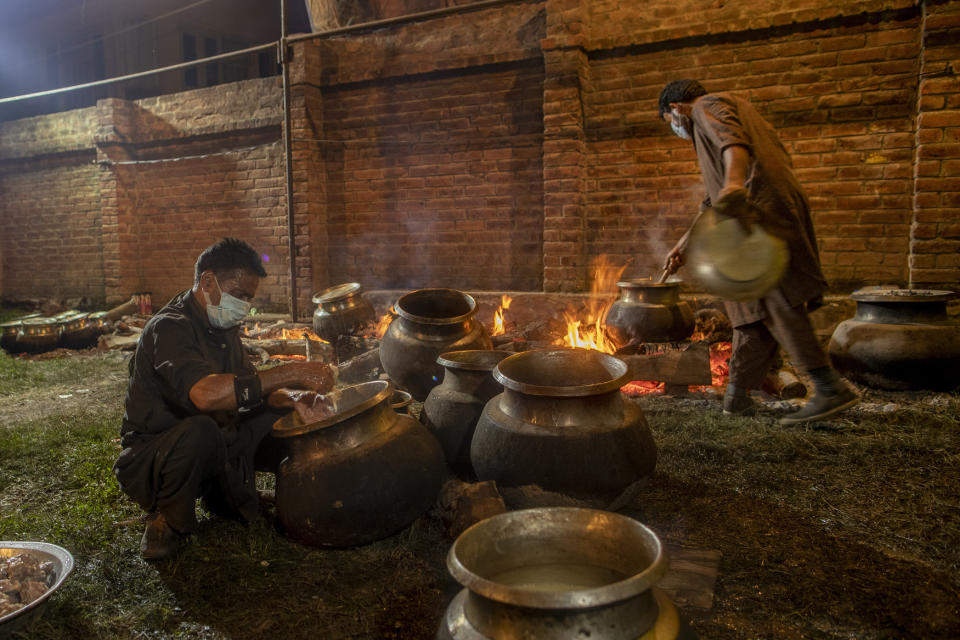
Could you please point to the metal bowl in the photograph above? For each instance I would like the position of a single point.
(62, 566)
(734, 264)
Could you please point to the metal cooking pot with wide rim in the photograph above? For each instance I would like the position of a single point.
(9, 332)
(359, 475)
(899, 339)
(562, 424)
(560, 573)
(429, 322)
(649, 312)
(341, 310)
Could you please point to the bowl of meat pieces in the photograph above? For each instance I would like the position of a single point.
(29, 573)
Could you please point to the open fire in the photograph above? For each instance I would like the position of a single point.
(590, 332)
(498, 325)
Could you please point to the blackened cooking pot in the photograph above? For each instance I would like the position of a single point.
(649, 312)
(562, 423)
(341, 310)
(453, 407)
(899, 339)
(360, 475)
(429, 322)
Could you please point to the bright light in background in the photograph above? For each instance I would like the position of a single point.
(265, 257)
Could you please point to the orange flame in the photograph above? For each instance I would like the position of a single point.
(498, 329)
(591, 332)
(383, 324)
(300, 334)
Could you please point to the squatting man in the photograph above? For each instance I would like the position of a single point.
(197, 411)
(748, 175)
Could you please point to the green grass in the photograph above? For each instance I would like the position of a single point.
(849, 529)
(18, 375)
(231, 581)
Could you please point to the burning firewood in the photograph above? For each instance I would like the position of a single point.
(712, 326)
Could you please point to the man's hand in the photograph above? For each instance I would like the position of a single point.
(734, 202)
(289, 398)
(675, 259)
(313, 376)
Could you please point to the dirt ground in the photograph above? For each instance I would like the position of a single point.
(843, 529)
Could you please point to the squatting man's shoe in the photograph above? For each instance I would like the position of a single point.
(159, 541)
(822, 406)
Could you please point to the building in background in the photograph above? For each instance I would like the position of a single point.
(47, 44)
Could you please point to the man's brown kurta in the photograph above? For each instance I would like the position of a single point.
(722, 120)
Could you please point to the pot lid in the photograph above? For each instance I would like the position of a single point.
(732, 263)
(337, 292)
(877, 294)
(347, 403)
(557, 536)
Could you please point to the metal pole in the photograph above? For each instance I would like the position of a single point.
(288, 157)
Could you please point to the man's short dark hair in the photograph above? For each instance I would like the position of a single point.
(229, 254)
(679, 91)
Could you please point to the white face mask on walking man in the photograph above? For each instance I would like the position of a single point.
(678, 124)
(229, 313)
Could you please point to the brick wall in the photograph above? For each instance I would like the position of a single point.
(50, 242)
(500, 148)
(841, 95)
(50, 207)
(436, 183)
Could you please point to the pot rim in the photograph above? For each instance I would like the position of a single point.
(473, 359)
(406, 315)
(605, 386)
(646, 283)
(282, 430)
(337, 292)
(902, 295)
(555, 518)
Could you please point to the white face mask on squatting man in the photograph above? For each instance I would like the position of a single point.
(229, 313)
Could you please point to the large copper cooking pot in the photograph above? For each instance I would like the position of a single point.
(453, 407)
(899, 339)
(649, 312)
(360, 475)
(562, 423)
(429, 322)
(341, 310)
(560, 573)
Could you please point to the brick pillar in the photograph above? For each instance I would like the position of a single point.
(935, 233)
(118, 189)
(566, 71)
(309, 176)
